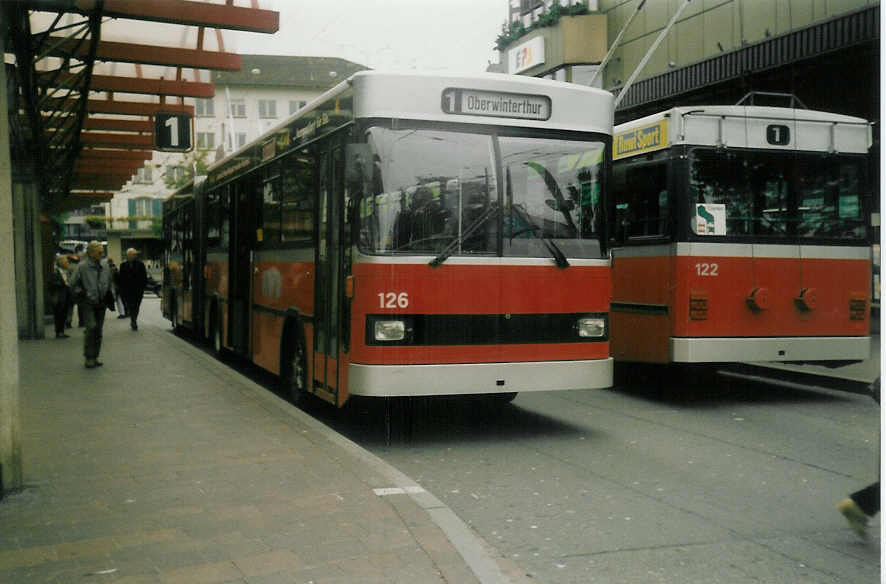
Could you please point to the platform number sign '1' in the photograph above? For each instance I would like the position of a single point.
(172, 132)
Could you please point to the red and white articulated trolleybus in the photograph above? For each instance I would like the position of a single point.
(741, 235)
(409, 235)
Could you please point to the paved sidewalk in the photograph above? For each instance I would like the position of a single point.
(166, 466)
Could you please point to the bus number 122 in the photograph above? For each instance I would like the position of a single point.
(707, 269)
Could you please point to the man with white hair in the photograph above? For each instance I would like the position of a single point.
(91, 285)
(133, 278)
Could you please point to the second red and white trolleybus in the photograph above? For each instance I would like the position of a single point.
(741, 235)
(409, 235)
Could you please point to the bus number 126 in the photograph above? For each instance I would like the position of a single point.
(393, 300)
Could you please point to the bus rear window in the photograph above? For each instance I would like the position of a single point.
(775, 195)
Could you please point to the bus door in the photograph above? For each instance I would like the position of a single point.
(328, 274)
(240, 264)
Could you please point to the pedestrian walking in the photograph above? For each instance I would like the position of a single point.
(861, 505)
(91, 287)
(133, 278)
(73, 262)
(115, 289)
(59, 295)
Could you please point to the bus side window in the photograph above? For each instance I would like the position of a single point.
(297, 180)
(270, 215)
(224, 218)
(213, 216)
(642, 203)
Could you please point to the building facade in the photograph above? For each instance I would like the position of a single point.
(825, 52)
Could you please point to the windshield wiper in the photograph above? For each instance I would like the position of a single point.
(554, 189)
(478, 222)
(559, 256)
(550, 245)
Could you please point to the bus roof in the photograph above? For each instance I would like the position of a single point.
(740, 126)
(486, 98)
(483, 98)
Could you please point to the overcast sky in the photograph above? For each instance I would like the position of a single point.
(421, 35)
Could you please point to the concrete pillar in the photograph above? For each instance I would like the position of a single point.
(10, 441)
(28, 253)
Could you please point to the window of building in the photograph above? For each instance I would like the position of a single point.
(267, 108)
(295, 105)
(239, 141)
(176, 173)
(144, 175)
(143, 207)
(206, 140)
(205, 107)
(238, 108)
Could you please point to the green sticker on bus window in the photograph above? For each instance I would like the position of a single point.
(848, 207)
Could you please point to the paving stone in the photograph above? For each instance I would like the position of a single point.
(166, 466)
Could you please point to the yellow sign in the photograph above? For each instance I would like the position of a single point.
(640, 140)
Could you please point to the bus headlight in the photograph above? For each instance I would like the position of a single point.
(390, 330)
(591, 327)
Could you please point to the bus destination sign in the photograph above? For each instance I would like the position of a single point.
(495, 104)
(640, 140)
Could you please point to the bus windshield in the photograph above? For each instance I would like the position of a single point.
(461, 193)
(777, 194)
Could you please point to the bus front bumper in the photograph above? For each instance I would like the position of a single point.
(477, 378)
(739, 349)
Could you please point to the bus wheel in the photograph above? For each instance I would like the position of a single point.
(295, 368)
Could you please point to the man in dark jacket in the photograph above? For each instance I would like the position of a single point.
(91, 286)
(59, 295)
(133, 278)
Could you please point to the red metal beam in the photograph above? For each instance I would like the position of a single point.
(117, 125)
(107, 124)
(100, 174)
(188, 13)
(138, 85)
(138, 141)
(98, 181)
(123, 108)
(115, 185)
(146, 54)
(122, 155)
(93, 165)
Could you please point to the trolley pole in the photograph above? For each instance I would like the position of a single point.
(652, 48)
(10, 443)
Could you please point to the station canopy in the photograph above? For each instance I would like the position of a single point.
(87, 79)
